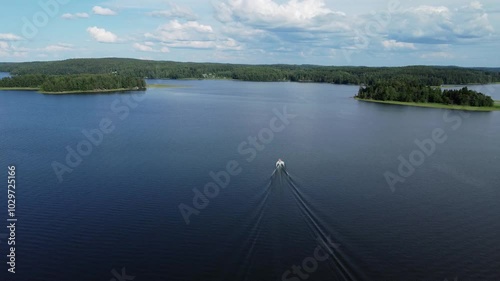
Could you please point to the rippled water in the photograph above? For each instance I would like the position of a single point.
(119, 207)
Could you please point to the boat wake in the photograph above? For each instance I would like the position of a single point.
(274, 229)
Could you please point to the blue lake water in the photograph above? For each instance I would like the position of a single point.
(119, 205)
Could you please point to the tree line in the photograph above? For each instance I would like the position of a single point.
(419, 93)
(23, 81)
(428, 75)
(72, 83)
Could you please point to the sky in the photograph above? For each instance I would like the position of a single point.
(324, 32)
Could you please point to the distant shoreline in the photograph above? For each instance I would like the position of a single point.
(437, 105)
(18, 89)
(90, 92)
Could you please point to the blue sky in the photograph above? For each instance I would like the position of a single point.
(326, 32)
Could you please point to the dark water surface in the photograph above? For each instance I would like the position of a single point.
(119, 207)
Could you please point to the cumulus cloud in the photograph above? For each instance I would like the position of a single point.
(150, 47)
(228, 44)
(102, 35)
(98, 10)
(69, 16)
(176, 11)
(9, 37)
(440, 24)
(8, 50)
(268, 14)
(190, 34)
(313, 28)
(143, 47)
(394, 45)
(4, 49)
(297, 24)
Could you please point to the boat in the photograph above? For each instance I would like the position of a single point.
(280, 164)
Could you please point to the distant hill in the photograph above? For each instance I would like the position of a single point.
(429, 75)
(489, 69)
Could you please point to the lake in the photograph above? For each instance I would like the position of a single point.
(106, 184)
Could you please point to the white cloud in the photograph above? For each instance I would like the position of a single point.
(101, 35)
(143, 47)
(190, 34)
(75, 16)
(440, 24)
(229, 44)
(300, 24)
(476, 5)
(11, 51)
(393, 45)
(268, 14)
(58, 47)
(149, 47)
(98, 10)
(314, 27)
(176, 11)
(4, 49)
(9, 37)
(245, 33)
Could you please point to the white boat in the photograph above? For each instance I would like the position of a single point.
(280, 164)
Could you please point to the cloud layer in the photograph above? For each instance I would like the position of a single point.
(440, 24)
(311, 27)
(277, 31)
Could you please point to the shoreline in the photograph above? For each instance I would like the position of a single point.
(164, 86)
(437, 105)
(18, 89)
(90, 92)
(151, 86)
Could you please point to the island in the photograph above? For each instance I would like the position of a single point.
(73, 84)
(413, 93)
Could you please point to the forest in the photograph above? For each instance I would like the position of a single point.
(428, 75)
(419, 93)
(74, 83)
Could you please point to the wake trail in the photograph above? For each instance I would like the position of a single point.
(249, 246)
(275, 182)
(317, 228)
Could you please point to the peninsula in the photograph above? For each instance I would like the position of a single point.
(412, 93)
(73, 84)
